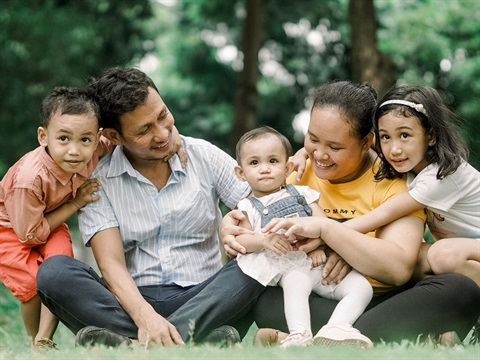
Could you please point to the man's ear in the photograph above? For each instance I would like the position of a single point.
(42, 136)
(112, 135)
(239, 173)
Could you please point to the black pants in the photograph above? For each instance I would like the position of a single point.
(441, 303)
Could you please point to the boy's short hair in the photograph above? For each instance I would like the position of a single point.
(67, 100)
(262, 132)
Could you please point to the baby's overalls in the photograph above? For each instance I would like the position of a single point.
(293, 205)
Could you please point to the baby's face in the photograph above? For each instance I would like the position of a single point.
(70, 140)
(264, 165)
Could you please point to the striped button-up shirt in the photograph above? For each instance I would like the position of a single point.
(171, 235)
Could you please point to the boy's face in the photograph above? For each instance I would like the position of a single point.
(70, 140)
(264, 165)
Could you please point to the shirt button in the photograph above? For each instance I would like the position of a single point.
(265, 211)
(163, 242)
(29, 236)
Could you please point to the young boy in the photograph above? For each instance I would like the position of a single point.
(40, 192)
(263, 161)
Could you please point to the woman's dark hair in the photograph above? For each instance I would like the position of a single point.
(355, 101)
(118, 91)
(449, 150)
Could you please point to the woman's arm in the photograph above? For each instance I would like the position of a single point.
(389, 258)
(394, 208)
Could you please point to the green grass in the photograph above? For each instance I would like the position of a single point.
(14, 346)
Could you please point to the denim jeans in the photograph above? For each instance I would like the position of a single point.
(78, 296)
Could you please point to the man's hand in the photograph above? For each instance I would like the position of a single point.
(157, 330)
(229, 229)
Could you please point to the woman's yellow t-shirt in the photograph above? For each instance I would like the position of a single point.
(348, 200)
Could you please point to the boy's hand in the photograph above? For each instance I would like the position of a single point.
(87, 193)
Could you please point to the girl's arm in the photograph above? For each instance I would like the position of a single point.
(394, 208)
(258, 241)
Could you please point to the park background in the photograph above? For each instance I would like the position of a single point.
(224, 67)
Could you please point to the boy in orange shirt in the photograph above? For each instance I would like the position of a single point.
(40, 192)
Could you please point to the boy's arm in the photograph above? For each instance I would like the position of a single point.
(85, 194)
(394, 208)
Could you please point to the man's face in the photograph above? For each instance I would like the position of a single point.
(147, 130)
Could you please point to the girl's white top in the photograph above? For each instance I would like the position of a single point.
(452, 203)
(263, 265)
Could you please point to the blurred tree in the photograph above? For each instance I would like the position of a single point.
(246, 98)
(58, 42)
(368, 63)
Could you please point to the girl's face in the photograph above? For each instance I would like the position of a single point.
(264, 165)
(336, 154)
(404, 142)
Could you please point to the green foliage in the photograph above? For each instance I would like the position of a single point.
(58, 42)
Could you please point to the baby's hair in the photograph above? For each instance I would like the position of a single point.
(426, 104)
(259, 133)
(68, 101)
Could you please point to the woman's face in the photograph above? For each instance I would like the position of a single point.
(336, 154)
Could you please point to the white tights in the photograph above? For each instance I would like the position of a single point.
(354, 293)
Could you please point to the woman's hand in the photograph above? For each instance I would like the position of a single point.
(335, 268)
(300, 227)
(299, 161)
(229, 229)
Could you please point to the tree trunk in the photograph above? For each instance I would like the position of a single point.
(368, 63)
(246, 97)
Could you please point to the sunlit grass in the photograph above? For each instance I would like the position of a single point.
(14, 345)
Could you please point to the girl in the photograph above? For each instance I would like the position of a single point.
(263, 161)
(418, 136)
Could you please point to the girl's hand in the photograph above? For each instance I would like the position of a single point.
(299, 161)
(177, 148)
(277, 243)
(87, 193)
(318, 257)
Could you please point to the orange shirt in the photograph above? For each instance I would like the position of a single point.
(36, 185)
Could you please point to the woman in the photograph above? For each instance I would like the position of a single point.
(341, 167)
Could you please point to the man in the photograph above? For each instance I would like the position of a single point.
(153, 233)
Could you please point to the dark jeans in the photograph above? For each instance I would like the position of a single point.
(77, 295)
(441, 303)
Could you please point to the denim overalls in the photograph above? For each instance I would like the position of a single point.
(295, 205)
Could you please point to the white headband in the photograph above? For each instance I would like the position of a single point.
(418, 107)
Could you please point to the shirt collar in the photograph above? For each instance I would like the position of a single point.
(61, 175)
(119, 164)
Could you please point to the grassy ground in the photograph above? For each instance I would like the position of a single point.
(14, 346)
